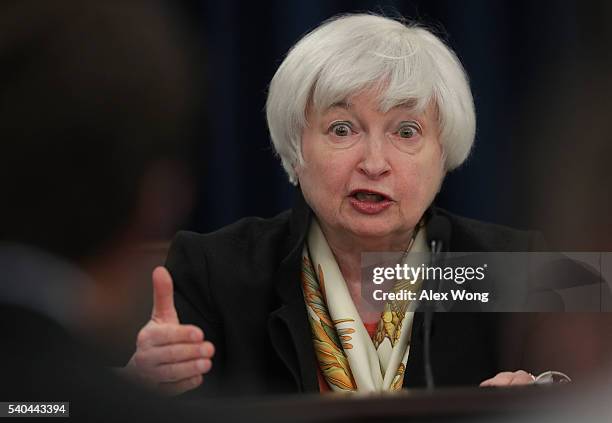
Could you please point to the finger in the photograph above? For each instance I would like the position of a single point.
(163, 297)
(176, 388)
(175, 372)
(158, 335)
(521, 377)
(175, 353)
(501, 379)
(488, 382)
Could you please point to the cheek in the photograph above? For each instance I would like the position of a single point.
(432, 177)
(324, 170)
(420, 182)
(321, 183)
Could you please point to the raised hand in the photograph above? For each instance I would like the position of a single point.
(169, 356)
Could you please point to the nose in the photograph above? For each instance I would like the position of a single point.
(374, 163)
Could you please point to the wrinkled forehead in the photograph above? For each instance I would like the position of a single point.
(391, 82)
(376, 95)
(376, 100)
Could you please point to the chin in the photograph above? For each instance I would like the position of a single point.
(371, 230)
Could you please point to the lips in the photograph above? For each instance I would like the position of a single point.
(369, 202)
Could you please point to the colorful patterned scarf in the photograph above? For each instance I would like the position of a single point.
(348, 358)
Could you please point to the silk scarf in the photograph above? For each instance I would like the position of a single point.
(348, 358)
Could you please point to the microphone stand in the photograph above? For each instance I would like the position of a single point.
(436, 248)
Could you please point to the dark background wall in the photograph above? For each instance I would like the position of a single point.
(540, 77)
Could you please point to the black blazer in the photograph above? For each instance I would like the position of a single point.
(241, 285)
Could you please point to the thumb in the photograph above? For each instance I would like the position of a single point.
(163, 297)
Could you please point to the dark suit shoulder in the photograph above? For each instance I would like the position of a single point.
(209, 270)
(474, 235)
(241, 232)
(253, 242)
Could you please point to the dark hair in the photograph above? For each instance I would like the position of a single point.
(91, 95)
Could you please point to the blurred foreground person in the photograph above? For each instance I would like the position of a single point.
(95, 111)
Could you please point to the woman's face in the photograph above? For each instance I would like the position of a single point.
(370, 175)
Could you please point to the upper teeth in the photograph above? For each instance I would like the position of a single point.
(367, 196)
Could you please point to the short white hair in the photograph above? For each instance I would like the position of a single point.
(350, 53)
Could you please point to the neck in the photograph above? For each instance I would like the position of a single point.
(347, 249)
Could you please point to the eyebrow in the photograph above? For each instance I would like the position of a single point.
(341, 105)
(409, 104)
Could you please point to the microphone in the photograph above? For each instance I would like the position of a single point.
(438, 234)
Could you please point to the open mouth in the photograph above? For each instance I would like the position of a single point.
(369, 196)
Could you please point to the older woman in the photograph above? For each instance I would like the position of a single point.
(367, 115)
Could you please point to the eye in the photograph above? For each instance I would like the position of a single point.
(409, 130)
(408, 136)
(341, 129)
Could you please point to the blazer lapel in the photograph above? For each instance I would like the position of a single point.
(291, 338)
(288, 325)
